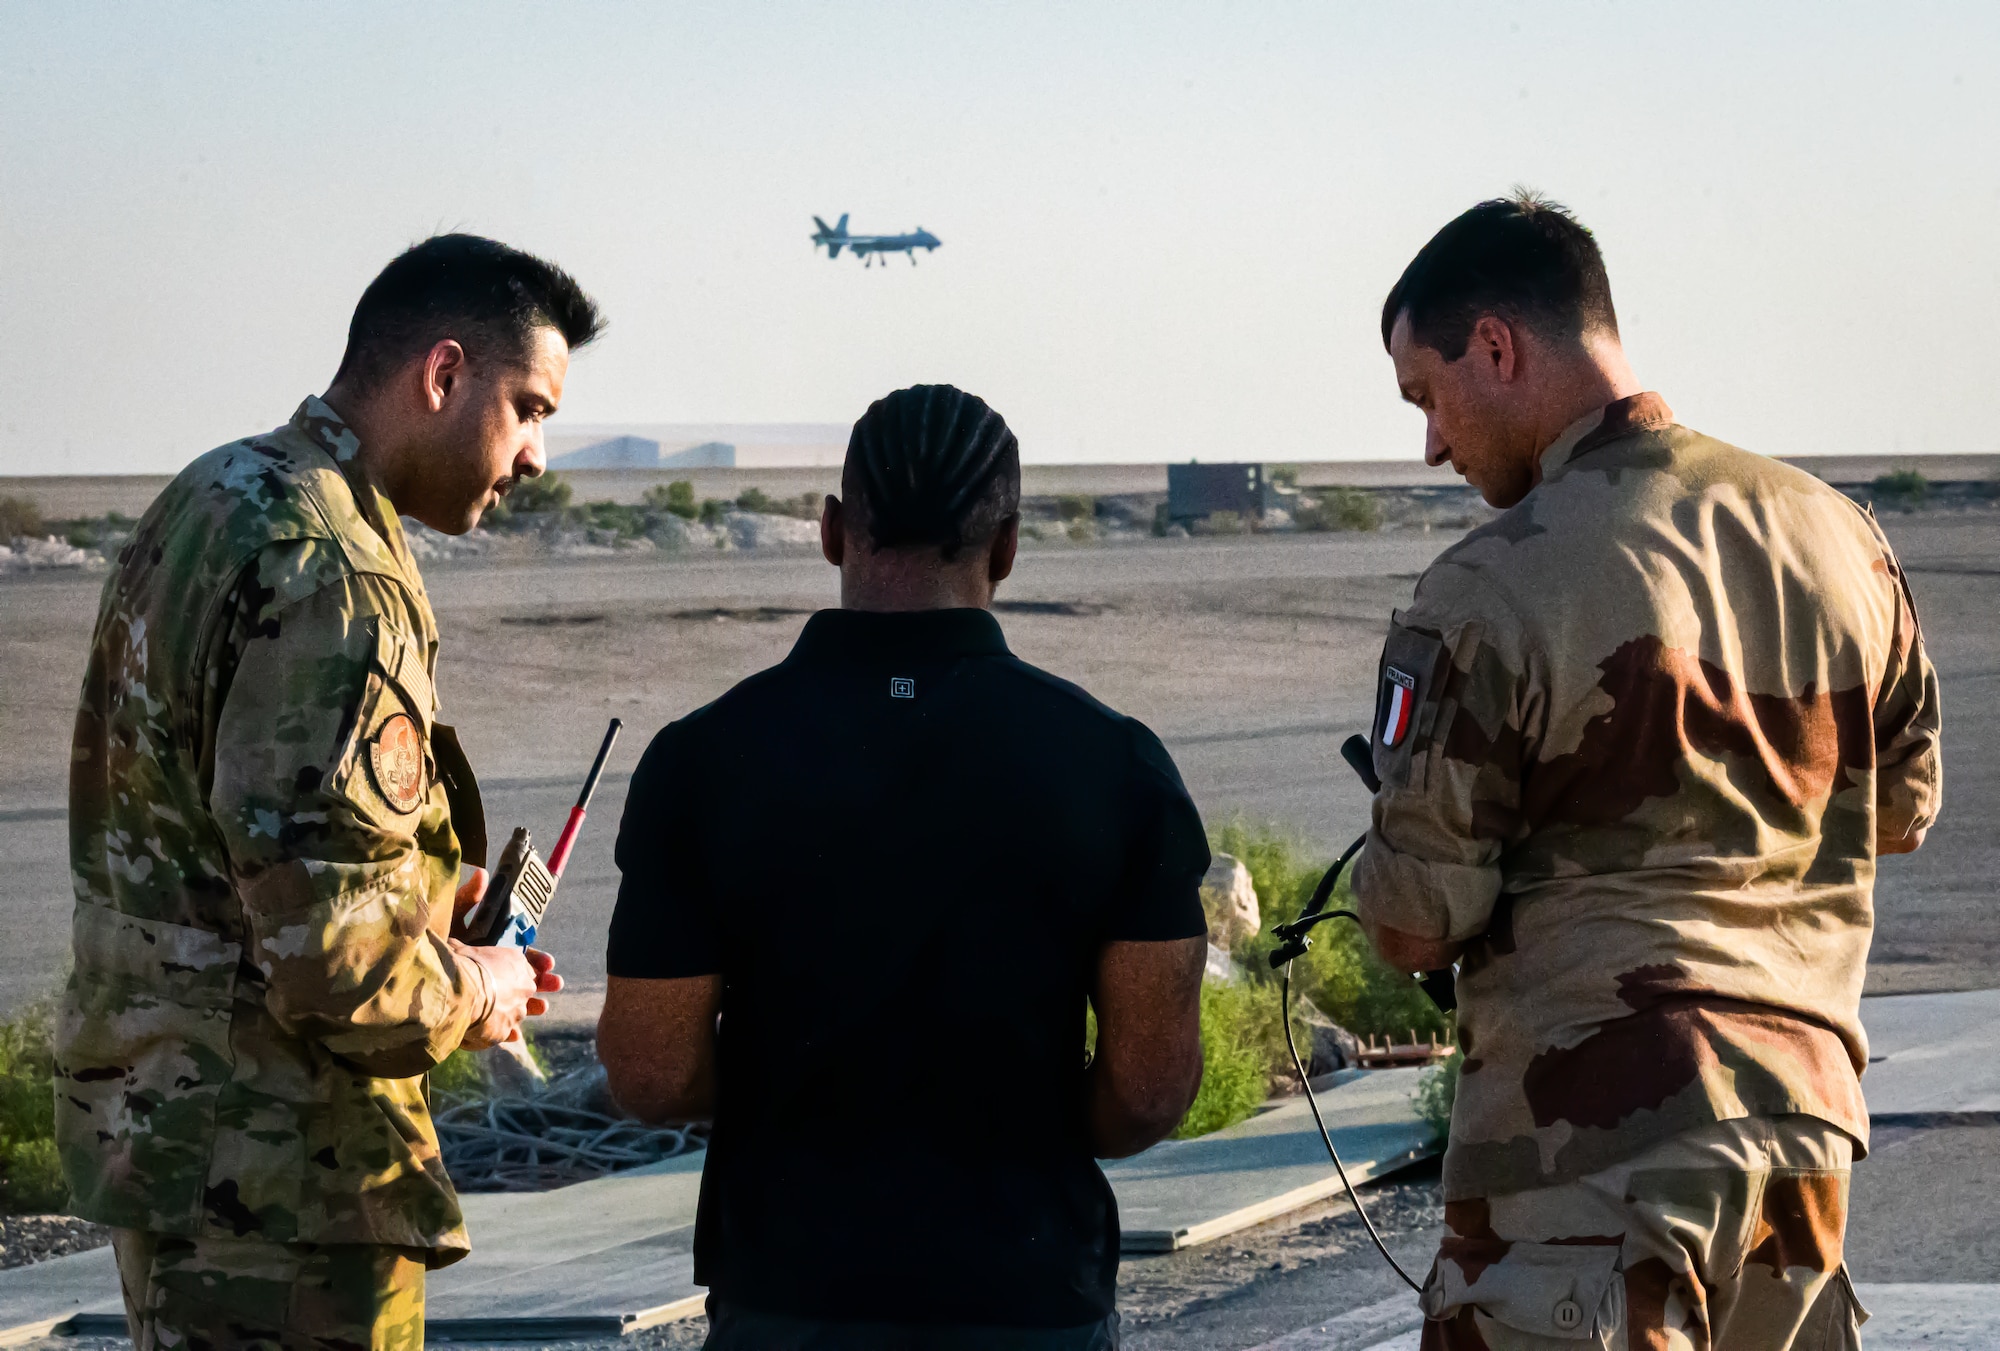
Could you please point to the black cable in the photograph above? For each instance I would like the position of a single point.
(1332, 1153)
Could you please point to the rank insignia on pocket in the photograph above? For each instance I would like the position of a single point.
(1399, 703)
(396, 760)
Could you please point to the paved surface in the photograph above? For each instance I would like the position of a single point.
(1251, 657)
(616, 1253)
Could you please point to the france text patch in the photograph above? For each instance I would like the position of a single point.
(1399, 704)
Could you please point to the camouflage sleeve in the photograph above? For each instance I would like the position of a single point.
(339, 843)
(1909, 769)
(1448, 742)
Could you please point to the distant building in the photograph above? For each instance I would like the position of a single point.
(1195, 490)
(749, 445)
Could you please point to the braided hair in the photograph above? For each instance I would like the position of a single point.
(931, 467)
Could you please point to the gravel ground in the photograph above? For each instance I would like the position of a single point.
(32, 1238)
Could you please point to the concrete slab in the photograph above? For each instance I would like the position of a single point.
(615, 1255)
(1186, 1192)
(1932, 1053)
(604, 1257)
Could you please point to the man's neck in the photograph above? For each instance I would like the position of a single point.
(379, 460)
(1581, 386)
(901, 591)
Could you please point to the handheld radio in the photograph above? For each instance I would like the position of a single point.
(521, 887)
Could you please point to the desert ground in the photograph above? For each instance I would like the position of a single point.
(1251, 656)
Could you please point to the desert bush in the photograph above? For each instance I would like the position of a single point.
(1340, 973)
(1235, 1066)
(756, 499)
(1075, 507)
(1339, 508)
(461, 1076)
(1221, 523)
(1285, 475)
(1437, 1091)
(31, 1180)
(713, 510)
(623, 521)
(675, 499)
(1906, 487)
(19, 516)
(534, 495)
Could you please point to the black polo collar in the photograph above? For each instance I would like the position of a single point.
(854, 635)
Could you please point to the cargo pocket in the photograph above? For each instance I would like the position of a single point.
(142, 1054)
(1836, 1318)
(1558, 1290)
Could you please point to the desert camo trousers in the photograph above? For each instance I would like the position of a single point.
(223, 1293)
(1726, 1238)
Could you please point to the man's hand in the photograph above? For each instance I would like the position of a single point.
(1148, 1063)
(1409, 953)
(517, 977)
(1902, 844)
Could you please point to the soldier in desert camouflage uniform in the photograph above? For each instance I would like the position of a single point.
(1641, 738)
(263, 845)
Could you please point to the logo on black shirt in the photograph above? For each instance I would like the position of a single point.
(902, 687)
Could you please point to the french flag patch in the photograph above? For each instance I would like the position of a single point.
(1399, 702)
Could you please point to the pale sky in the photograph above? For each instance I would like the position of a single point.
(1167, 228)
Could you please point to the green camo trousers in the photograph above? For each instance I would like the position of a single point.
(193, 1294)
(1726, 1238)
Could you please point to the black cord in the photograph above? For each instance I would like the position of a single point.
(1332, 1153)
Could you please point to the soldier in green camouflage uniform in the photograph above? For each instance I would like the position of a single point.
(1641, 739)
(263, 849)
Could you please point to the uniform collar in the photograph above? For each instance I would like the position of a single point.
(329, 432)
(851, 635)
(1624, 417)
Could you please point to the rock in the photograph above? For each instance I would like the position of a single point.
(1221, 967)
(29, 555)
(760, 530)
(1333, 1046)
(1230, 901)
(511, 1071)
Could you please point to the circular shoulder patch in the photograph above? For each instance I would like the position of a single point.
(396, 760)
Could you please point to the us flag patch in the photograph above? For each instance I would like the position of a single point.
(1399, 703)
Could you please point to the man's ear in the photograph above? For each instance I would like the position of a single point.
(443, 368)
(1493, 342)
(1006, 543)
(832, 531)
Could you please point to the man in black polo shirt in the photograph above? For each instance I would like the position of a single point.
(897, 865)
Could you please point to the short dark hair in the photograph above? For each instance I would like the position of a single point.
(489, 297)
(1523, 258)
(931, 466)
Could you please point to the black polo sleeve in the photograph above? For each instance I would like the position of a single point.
(1166, 852)
(665, 922)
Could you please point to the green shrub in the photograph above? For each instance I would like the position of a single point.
(1235, 1067)
(1162, 522)
(1221, 523)
(1437, 1090)
(533, 495)
(1339, 508)
(1905, 486)
(713, 510)
(1340, 973)
(458, 1078)
(1285, 475)
(81, 535)
(675, 499)
(626, 522)
(1075, 507)
(756, 499)
(31, 1179)
(19, 516)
